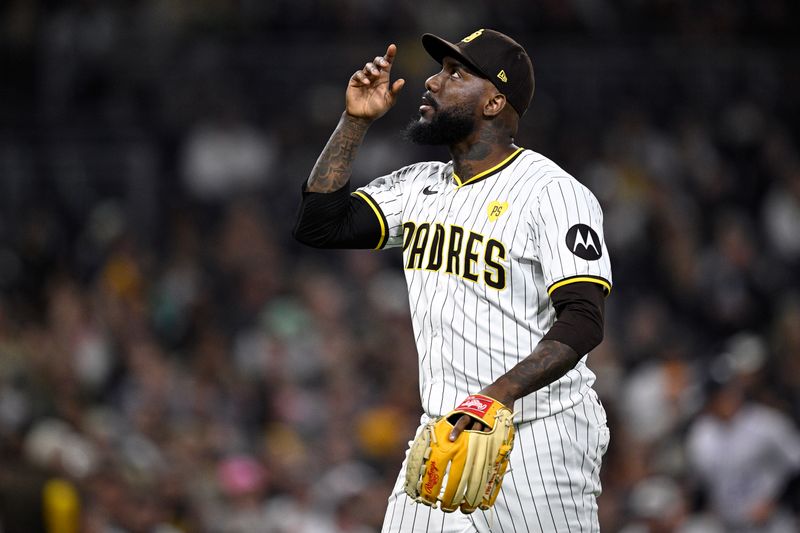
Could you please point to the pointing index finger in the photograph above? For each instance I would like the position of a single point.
(391, 51)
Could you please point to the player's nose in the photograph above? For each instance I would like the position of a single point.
(432, 83)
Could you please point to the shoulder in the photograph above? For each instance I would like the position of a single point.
(547, 178)
(763, 419)
(531, 162)
(704, 432)
(537, 171)
(420, 175)
(398, 179)
(421, 169)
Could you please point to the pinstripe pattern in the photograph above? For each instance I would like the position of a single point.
(552, 486)
(470, 329)
(469, 334)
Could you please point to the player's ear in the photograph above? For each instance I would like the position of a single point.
(494, 105)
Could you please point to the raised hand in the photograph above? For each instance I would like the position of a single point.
(370, 93)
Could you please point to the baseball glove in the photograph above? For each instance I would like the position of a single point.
(473, 466)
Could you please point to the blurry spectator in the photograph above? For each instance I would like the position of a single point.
(658, 506)
(659, 395)
(243, 482)
(224, 156)
(781, 212)
(733, 274)
(151, 325)
(784, 369)
(742, 453)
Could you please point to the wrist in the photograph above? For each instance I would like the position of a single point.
(356, 121)
(501, 391)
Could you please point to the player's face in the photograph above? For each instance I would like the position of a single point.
(450, 107)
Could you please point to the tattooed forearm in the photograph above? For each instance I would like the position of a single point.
(549, 361)
(335, 163)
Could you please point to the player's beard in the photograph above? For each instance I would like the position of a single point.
(448, 126)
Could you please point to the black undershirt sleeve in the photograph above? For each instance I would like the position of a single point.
(338, 220)
(579, 310)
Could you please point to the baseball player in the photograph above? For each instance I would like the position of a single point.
(507, 271)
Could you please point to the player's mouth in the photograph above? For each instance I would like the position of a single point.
(428, 105)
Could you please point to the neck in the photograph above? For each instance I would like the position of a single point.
(481, 151)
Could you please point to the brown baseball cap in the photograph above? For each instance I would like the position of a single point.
(496, 57)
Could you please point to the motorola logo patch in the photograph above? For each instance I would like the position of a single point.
(584, 242)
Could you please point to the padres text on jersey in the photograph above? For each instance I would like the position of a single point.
(481, 257)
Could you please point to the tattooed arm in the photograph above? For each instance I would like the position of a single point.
(368, 97)
(328, 216)
(334, 165)
(549, 361)
(579, 328)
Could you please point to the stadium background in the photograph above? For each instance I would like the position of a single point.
(171, 355)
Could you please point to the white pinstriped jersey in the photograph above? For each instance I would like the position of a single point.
(481, 258)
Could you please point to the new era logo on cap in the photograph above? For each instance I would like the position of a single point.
(496, 57)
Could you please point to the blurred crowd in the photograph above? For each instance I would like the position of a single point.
(171, 361)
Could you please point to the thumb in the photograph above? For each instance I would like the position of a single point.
(397, 85)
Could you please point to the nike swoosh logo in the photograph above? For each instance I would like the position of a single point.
(427, 190)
